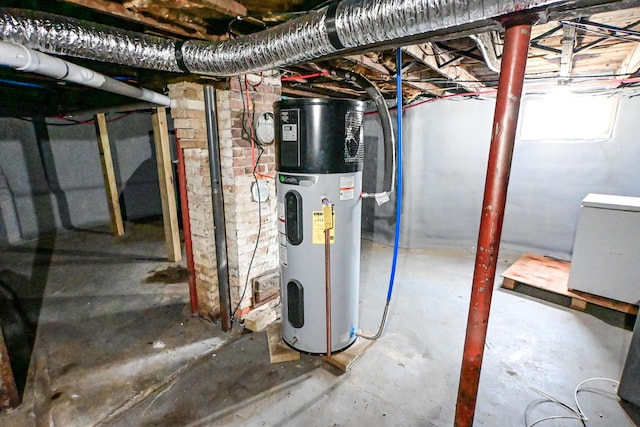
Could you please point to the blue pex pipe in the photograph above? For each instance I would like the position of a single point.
(396, 242)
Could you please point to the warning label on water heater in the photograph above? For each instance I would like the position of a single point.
(347, 187)
(318, 229)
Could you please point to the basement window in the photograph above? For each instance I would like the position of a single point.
(566, 117)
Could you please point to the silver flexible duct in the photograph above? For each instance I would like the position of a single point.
(485, 45)
(272, 48)
(349, 24)
(67, 36)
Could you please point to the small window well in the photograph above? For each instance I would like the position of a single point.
(566, 117)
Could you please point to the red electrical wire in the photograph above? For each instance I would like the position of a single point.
(493, 91)
(304, 76)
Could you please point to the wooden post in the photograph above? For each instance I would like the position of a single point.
(167, 187)
(110, 185)
(9, 397)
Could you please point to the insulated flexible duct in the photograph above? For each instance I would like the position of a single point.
(67, 36)
(343, 25)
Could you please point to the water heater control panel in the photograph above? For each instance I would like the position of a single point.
(290, 137)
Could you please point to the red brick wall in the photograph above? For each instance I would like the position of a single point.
(241, 213)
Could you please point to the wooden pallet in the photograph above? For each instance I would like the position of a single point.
(552, 275)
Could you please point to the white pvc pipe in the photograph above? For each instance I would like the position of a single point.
(25, 59)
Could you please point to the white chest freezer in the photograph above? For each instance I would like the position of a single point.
(606, 252)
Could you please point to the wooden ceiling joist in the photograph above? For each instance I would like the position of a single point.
(368, 63)
(118, 10)
(286, 90)
(196, 8)
(426, 54)
(225, 7)
(569, 34)
(631, 64)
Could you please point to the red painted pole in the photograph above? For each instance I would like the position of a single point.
(514, 61)
(186, 227)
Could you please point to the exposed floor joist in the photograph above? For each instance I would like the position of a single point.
(370, 64)
(568, 49)
(426, 54)
(631, 63)
(120, 11)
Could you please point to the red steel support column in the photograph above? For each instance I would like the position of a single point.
(186, 227)
(514, 61)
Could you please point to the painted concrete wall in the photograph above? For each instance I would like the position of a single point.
(51, 178)
(446, 150)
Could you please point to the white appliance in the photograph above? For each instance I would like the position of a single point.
(606, 253)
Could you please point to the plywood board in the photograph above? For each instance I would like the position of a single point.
(347, 358)
(258, 319)
(278, 350)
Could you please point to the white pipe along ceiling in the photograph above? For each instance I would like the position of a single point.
(25, 59)
(342, 26)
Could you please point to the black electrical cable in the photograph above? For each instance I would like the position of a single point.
(255, 247)
(247, 135)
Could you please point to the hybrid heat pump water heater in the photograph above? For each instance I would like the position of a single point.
(319, 159)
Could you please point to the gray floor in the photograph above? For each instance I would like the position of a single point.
(111, 349)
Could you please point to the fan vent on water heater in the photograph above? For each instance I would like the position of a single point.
(353, 149)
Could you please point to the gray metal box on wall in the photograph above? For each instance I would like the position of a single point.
(606, 249)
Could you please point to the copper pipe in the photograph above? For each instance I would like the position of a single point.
(186, 227)
(327, 283)
(514, 61)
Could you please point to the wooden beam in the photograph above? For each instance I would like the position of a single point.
(303, 93)
(413, 80)
(118, 10)
(426, 54)
(568, 50)
(631, 63)
(9, 397)
(368, 63)
(226, 7)
(426, 87)
(371, 65)
(167, 187)
(198, 9)
(110, 184)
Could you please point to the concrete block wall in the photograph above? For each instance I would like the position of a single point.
(51, 178)
(446, 145)
(241, 213)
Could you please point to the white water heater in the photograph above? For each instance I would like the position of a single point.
(319, 159)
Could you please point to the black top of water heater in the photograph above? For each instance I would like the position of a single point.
(315, 135)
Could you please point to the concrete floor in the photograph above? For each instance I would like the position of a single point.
(111, 349)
